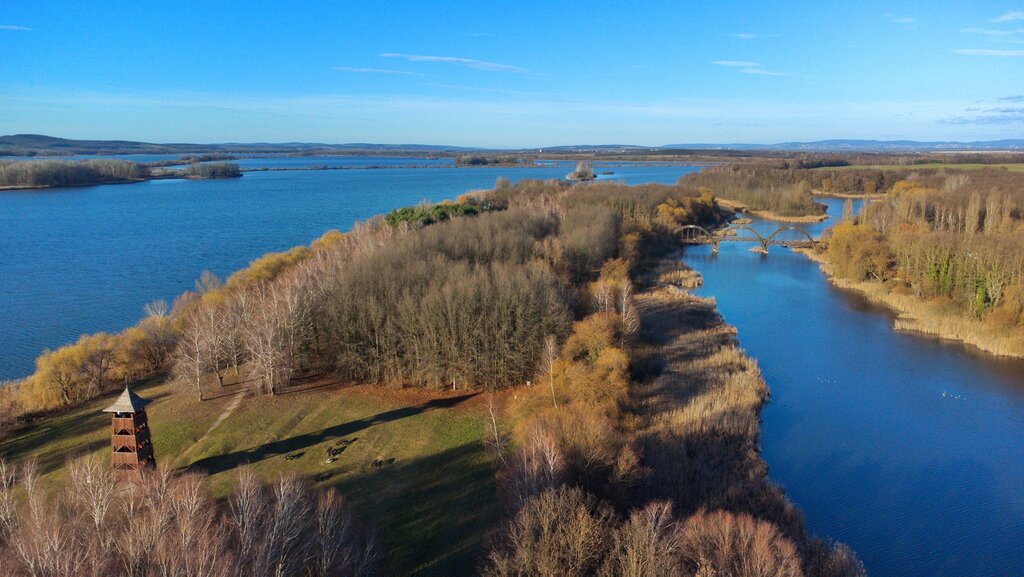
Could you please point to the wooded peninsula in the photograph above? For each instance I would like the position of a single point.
(547, 318)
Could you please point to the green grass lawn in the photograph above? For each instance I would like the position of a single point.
(411, 464)
(1011, 166)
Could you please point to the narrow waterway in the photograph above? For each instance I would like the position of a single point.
(907, 448)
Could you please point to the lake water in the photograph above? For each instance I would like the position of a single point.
(80, 260)
(858, 429)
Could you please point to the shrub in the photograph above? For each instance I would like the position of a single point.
(857, 252)
(559, 532)
(166, 524)
(721, 543)
(647, 545)
(429, 214)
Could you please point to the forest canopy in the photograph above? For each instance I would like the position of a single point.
(460, 294)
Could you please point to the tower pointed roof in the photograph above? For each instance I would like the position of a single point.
(128, 402)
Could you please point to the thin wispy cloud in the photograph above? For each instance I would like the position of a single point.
(737, 63)
(987, 52)
(1018, 98)
(745, 67)
(993, 32)
(13, 27)
(900, 19)
(467, 62)
(492, 90)
(377, 71)
(1009, 17)
(994, 116)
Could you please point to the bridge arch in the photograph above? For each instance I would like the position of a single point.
(797, 229)
(737, 227)
(695, 234)
(743, 227)
(692, 232)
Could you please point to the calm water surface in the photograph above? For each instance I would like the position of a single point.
(858, 430)
(80, 260)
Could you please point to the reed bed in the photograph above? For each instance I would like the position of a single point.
(698, 413)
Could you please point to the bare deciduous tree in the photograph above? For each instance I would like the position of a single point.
(165, 525)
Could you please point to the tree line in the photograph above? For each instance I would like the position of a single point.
(29, 173)
(212, 170)
(759, 187)
(57, 173)
(786, 186)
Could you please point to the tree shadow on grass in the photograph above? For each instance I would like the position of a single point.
(220, 463)
(434, 513)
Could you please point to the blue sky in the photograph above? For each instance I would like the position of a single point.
(512, 74)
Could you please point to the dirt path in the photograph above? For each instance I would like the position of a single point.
(227, 412)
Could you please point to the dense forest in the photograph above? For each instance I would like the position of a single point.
(759, 187)
(956, 239)
(464, 302)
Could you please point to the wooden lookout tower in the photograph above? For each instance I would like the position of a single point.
(131, 443)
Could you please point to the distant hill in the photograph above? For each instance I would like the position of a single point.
(41, 145)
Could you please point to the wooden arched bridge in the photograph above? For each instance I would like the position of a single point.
(790, 236)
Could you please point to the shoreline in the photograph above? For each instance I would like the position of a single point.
(914, 315)
(740, 208)
(243, 170)
(8, 187)
(873, 196)
(161, 176)
(704, 372)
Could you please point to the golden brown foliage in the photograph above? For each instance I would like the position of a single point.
(559, 532)
(721, 543)
(858, 252)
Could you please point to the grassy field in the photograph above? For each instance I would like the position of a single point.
(1011, 166)
(410, 463)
